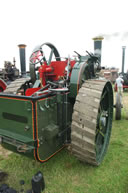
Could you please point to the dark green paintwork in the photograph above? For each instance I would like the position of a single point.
(103, 132)
(52, 117)
(13, 131)
(16, 107)
(52, 120)
(77, 78)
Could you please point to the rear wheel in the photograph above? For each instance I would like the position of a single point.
(118, 107)
(92, 121)
(18, 85)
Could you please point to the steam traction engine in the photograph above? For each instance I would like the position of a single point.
(7, 74)
(62, 102)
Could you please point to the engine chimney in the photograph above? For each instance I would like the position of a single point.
(123, 58)
(22, 59)
(98, 46)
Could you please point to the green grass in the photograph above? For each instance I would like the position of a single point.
(65, 174)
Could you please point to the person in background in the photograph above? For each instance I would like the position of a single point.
(119, 82)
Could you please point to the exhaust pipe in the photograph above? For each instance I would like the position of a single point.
(98, 46)
(22, 59)
(123, 58)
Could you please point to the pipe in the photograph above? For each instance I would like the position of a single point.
(98, 46)
(123, 58)
(22, 59)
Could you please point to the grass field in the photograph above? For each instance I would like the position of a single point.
(65, 174)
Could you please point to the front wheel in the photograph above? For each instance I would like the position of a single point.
(118, 107)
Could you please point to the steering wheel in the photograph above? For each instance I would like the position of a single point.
(38, 56)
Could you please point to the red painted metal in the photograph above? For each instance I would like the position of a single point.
(31, 91)
(115, 87)
(43, 71)
(3, 85)
(36, 56)
(53, 72)
(124, 86)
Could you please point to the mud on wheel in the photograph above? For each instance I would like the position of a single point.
(92, 121)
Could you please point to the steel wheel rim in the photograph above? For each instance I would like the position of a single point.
(104, 122)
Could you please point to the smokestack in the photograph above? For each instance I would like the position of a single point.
(123, 58)
(22, 59)
(98, 46)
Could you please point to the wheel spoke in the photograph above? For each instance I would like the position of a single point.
(98, 148)
(36, 56)
(100, 108)
(101, 100)
(39, 54)
(99, 131)
(103, 96)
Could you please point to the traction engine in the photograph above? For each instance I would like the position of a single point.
(63, 102)
(7, 74)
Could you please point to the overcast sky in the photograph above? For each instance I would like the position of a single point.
(68, 24)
